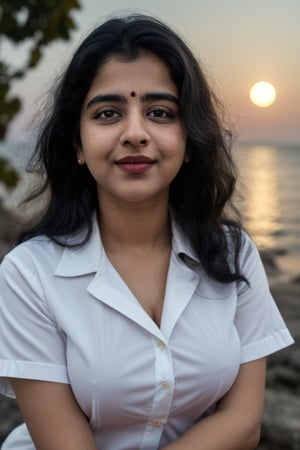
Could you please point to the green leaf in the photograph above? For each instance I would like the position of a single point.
(8, 175)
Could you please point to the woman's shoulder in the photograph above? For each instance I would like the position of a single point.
(75, 253)
(248, 246)
(238, 235)
(36, 252)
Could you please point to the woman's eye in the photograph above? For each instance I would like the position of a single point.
(160, 114)
(107, 114)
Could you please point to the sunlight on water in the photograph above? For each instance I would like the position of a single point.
(260, 204)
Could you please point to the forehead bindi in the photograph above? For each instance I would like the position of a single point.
(132, 94)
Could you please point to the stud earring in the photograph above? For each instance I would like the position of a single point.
(80, 161)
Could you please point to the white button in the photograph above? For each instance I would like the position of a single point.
(165, 385)
(156, 423)
(161, 345)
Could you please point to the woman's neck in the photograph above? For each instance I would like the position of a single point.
(135, 226)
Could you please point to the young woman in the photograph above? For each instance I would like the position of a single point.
(134, 313)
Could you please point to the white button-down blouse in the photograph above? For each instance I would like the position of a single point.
(67, 316)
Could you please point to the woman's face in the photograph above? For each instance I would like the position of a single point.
(132, 137)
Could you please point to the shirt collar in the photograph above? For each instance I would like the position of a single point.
(89, 258)
(181, 245)
(81, 260)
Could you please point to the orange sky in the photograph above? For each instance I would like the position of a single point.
(239, 42)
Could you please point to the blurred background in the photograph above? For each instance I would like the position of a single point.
(239, 44)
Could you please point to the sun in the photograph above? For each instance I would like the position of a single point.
(262, 94)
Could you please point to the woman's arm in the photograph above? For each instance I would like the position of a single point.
(53, 417)
(236, 423)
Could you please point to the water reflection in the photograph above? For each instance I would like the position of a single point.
(258, 183)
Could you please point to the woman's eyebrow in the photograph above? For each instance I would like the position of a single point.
(106, 98)
(156, 96)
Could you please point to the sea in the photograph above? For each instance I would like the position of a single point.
(268, 196)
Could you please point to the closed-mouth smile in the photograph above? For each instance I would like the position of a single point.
(135, 164)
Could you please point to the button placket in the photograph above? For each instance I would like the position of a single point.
(165, 383)
(162, 394)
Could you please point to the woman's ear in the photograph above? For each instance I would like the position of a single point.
(187, 157)
(187, 154)
(80, 158)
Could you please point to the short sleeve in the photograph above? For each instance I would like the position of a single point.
(31, 346)
(260, 325)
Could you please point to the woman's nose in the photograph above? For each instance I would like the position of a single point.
(135, 132)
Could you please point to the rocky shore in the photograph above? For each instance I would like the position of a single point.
(281, 422)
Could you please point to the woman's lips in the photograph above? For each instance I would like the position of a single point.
(135, 164)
